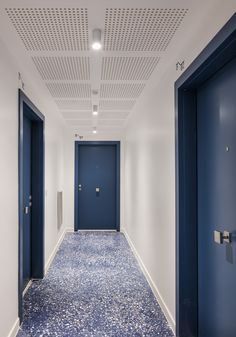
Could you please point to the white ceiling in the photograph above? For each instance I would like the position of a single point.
(55, 37)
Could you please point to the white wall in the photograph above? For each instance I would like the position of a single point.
(150, 159)
(70, 172)
(54, 143)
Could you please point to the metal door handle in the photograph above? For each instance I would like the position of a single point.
(220, 238)
(26, 209)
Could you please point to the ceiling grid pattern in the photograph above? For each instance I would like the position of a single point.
(69, 90)
(128, 68)
(74, 104)
(141, 29)
(116, 104)
(57, 68)
(58, 43)
(121, 90)
(51, 29)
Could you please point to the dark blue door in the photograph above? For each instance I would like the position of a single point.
(97, 187)
(216, 102)
(27, 200)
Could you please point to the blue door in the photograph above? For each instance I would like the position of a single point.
(27, 125)
(216, 103)
(97, 187)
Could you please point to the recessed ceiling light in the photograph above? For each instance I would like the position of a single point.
(94, 130)
(97, 39)
(95, 110)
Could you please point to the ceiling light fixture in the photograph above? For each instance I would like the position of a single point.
(97, 39)
(94, 130)
(95, 110)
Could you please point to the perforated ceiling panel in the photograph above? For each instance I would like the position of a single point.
(63, 67)
(74, 104)
(102, 114)
(141, 29)
(51, 28)
(128, 68)
(58, 41)
(76, 114)
(82, 122)
(118, 90)
(116, 105)
(74, 90)
(111, 122)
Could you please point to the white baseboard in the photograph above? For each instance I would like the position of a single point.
(49, 261)
(156, 292)
(27, 287)
(14, 329)
(70, 230)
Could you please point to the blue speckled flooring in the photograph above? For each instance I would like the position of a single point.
(94, 288)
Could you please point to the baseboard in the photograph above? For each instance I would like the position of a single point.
(27, 287)
(49, 261)
(14, 329)
(70, 229)
(156, 292)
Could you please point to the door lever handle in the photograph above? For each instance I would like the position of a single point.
(26, 209)
(220, 238)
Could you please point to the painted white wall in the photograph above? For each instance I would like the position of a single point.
(150, 158)
(70, 172)
(54, 175)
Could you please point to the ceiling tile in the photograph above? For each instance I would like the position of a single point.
(51, 29)
(81, 122)
(102, 114)
(62, 67)
(120, 90)
(111, 122)
(116, 105)
(74, 104)
(128, 68)
(113, 114)
(141, 29)
(72, 90)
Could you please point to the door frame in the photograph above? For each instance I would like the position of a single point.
(76, 191)
(220, 51)
(28, 109)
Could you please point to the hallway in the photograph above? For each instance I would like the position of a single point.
(117, 174)
(94, 287)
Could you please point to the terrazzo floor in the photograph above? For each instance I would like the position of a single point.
(94, 288)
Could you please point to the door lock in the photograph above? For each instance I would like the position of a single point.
(220, 238)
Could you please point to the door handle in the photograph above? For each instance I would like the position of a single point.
(26, 210)
(220, 238)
